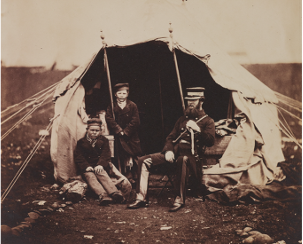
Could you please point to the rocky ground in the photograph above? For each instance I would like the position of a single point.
(38, 214)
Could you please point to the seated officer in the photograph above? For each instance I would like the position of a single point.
(92, 156)
(191, 133)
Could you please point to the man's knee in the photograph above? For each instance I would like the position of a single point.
(89, 175)
(182, 160)
(144, 160)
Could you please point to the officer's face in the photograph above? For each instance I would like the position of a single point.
(93, 131)
(121, 95)
(193, 103)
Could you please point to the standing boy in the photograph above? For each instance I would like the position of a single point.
(125, 127)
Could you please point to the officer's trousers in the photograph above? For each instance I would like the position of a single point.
(184, 165)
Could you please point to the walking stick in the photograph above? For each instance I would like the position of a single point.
(192, 135)
(109, 87)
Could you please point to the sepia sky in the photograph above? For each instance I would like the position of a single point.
(39, 33)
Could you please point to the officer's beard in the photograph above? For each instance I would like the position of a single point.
(192, 112)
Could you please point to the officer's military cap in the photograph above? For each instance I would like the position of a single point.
(194, 93)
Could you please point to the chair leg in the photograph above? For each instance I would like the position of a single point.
(162, 189)
(165, 186)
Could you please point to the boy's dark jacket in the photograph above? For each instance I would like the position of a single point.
(128, 121)
(85, 155)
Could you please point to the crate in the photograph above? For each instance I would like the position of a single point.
(111, 140)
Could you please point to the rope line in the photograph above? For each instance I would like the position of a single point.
(27, 160)
(289, 113)
(289, 129)
(289, 102)
(28, 99)
(283, 128)
(23, 118)
(26, 106)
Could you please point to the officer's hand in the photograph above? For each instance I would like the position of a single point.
(169, 156)
(192, 125)
(123, 135)
(148, 162)
(89, 169)
(98, 169)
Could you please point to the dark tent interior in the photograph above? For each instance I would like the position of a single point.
(150, 71)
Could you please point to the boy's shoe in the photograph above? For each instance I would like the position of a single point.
(103, 201)
(117, 197)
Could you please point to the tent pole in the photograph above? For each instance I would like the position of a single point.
(179, 79)
(109, 88)
(161, 104)
(111, 96)
(109, 82)
(172, 49)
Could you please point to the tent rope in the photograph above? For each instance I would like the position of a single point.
(289, 102)
(23, 118)
(279, 107)
(288, 134)
(287, 131)
(290, 137)
(28, 99)
(26, 106)
(283, 128)
(27, 160)
(288, 127)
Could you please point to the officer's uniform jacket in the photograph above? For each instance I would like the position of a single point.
(204, 138)
(128, 121)
(86, 155)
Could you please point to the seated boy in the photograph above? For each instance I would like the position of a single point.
(92, 156)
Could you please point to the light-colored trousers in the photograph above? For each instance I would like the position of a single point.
(100, 183)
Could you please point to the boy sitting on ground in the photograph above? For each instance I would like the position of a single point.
(93, 157)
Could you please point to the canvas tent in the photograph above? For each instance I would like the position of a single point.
(140, 51)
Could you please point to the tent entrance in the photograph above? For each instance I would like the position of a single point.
(150, 71)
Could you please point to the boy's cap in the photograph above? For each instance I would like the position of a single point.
(121, 86)
(94, 121)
